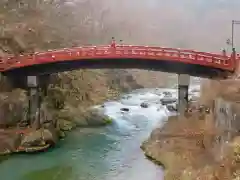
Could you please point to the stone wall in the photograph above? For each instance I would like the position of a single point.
(226, 117)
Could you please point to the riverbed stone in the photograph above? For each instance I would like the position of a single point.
(50, 136)
(9, 141)
(65, 125)
(71, 117)
(61, 134)
(124, 109)
(94, 117)
(39, 138)
(144, 105)
(32, 139)
(169, 100)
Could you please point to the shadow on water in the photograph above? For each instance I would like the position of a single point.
(53, 173)
(3, 158)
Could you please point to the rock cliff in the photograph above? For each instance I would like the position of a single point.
(201, 145)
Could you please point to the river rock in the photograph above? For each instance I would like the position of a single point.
(38, 139)
(65, 125)
(168, 100)
(9, 141)
(50, 137)
(144, 105)
(70, 117)
(167, 93)
(61, 134)
(124, 109)
(172, 107)
(95, 117)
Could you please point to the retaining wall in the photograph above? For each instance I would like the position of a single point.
(227, 119)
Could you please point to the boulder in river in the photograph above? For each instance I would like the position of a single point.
(144, 105)
(124, 109)
(167, 93)
(72, 117)
(172, 107)
(65, 125)
(9, 141)
(168, 100)
(95, 117)
(38, 140)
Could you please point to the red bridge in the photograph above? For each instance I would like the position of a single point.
(32, 71)
(171, 60)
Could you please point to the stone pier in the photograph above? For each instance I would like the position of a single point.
(183, 85)
(34, 95)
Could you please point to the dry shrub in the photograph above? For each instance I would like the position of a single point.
(227, 89)
(190, 148)
(185, 147)
(210, 89)
(229, 165)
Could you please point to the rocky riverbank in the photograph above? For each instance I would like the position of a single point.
(66, 106)
(26, 139)
(200, 146)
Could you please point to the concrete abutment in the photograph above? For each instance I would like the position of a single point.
(36, 89)
(183, 86)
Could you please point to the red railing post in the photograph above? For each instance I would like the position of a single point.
(179, 54)
(196, 56)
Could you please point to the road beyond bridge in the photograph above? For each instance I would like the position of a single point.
(31, 71)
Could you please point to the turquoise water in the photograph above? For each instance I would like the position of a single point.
(106, 153)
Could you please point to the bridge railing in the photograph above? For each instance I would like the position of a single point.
(124, 51)
(218, 60)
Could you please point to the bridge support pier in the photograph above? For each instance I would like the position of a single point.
(183, 85)
(34, 103)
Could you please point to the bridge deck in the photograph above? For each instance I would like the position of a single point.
(164, 66)
(171, 60)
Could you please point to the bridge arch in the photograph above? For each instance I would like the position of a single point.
(171, 60)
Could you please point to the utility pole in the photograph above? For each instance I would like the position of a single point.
(234, 22)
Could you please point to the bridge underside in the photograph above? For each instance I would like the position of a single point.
(154, 65)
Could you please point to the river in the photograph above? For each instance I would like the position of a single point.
(106, 153)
